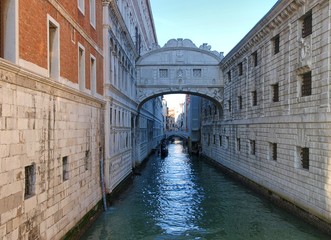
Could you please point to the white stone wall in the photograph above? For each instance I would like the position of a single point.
(294, 122)
(40, 123)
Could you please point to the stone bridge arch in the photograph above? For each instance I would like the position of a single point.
(180, 67)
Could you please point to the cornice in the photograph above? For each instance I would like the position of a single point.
(19, 76)
(278, 14)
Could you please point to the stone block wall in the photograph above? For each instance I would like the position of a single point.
(266, 141)
(57, 132)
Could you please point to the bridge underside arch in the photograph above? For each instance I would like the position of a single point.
(180, 67)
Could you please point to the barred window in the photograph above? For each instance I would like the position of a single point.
(163, 73)
(220, 140)
(254, 98)
(240, 102)
(214, 139)
(255, 59)
(252, 147)
(229, 75)
(240, 69)
(30, 181)
(238, 145)
(65, 168)
(306, 84)
(229, 104)
(273, 151)
(275, 92)
(304, 157)
(196, 72)
(307, 24)
(276, 44)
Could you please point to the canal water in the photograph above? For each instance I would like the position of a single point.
(184, 198)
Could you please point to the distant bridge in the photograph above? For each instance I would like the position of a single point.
(180, 133)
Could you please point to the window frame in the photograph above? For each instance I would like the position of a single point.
(92, 13)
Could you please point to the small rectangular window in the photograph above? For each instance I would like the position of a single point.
(92, 13)
(65, 168)
(163, 73)
(81, 6)
(273, 151)
(304, 157)
(93, 73)
(214, 139)
(307, 24)
(276, 44)
(81, 67)
(227, 141)
(87, 157)
(196, 72)
(30, 181)
(255, 59)
(208, 139)
(252, 147)
(306, 84)
(53, 50)
(220, 140)
(229, 105)
(229, 75)
(254, 98)
(275, 92)
(240, 69)
(240, 102)
(238, 145)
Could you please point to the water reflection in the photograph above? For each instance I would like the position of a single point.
(177, 196)
(182, 198)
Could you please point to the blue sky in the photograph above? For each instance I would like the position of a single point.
(220, 23)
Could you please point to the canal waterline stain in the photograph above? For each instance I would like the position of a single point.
(184, 198)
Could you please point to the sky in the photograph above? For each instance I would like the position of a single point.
(220, 23)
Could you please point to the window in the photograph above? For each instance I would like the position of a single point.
(307, 24)
(227, 138)
(220, 140)
(81, 6)
(214, 139)
(273, 151)
(53, 49)
(81, 67)
(306, 84)
(252, 147)
(304, 157)
(229, 75)
(30, 181)
(87, 157)
(196, 72)
(229, 104)
(254, 98)
(276, 44)
(208, 139)
(93, 73)
(163, 73)
(238, 145)
(65, 169)
(240, 69)
(240, 102)
(254, 59)
(275, 92)
(92, 13)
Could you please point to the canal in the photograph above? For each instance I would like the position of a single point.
(183, 198)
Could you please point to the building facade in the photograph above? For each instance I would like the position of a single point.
(131, 133)
(275, 126)
(51, 115)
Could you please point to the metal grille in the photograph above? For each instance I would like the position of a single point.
(304, 154)
(196, 72)
(307, 25)
(29, 181)
(254, 98)
(276, 44)
(255, 62)
(274, 151)
(240, 69)
(275, 92)
(65, 173)
(306, 84)
(163, 73)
